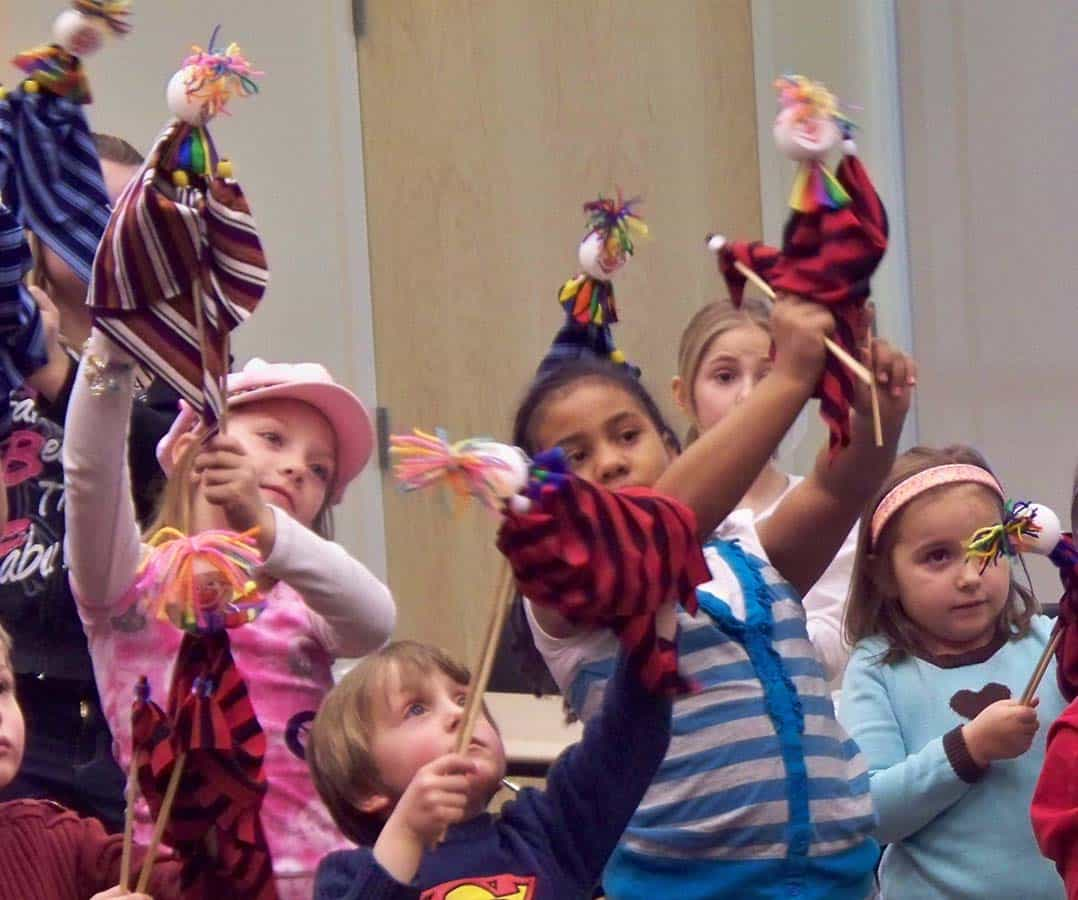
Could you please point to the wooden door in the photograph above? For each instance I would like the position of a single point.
(486, 125)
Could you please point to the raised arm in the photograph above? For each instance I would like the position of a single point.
(715, 471)
(355, 611)
(102, 543)
(830, 500)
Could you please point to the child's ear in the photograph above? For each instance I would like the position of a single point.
(677, 386)
(373, 804)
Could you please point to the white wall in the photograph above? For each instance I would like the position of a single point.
(297, 151)
(991, 136)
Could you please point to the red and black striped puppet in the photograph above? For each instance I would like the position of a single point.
(832, 243)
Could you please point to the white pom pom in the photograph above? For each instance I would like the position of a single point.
(79, 35)
(507, 480)
(594, 259)
(184, 107)
(1050, 534)
(849, 147)
(519, 504)
(715, 242)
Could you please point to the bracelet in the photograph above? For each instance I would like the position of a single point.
(102, 374)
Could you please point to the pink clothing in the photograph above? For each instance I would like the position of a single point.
(324, 604)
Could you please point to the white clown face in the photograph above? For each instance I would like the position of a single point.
(805, 138)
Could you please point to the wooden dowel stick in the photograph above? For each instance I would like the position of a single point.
(854, 365)
(1042, 666)
(478, 687)
(159, 825)
(129, 829)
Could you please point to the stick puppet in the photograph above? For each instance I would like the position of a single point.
(50, 176)
(181, 263)
(833, 241)
(588, 298)
(600, 557)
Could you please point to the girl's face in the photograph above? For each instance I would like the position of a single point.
(954, 605)
(735, 362)
(607, 436)
(292, 449)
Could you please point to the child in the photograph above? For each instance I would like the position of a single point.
(1055, 801)
(944, 647)
(47, 851)
(761, 793)
(68, 757)
(724, 354)
(295, 440)
(381, 756)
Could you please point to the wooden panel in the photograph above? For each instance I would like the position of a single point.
(486, 125)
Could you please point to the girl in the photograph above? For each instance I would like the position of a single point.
(724, 354)
(295, 440)
(944, 646)
(761, 794)
(67, 749)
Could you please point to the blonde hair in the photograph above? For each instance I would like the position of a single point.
(175, 503)
(6, 646)
(339, 748)
(870, 610)
(710, 322)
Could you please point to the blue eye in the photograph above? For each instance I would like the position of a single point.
(320, 472)
(272, 437)
(414, 709)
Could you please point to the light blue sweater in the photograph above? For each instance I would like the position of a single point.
(947, 837)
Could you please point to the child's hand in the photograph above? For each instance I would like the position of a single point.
(50, 378)
(229, 480)
(798, 328)
(896, 377)
(118, 893)
(435, 799)
(1003, 730)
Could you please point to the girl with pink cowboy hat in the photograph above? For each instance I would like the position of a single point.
(295, 440)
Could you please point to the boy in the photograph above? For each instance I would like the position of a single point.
(47, 851)
(381, 756)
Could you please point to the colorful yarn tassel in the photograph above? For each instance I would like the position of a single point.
(423, 460)
(616, 220)
(112, 13)
(816, 189)
(215, 76)
(589, 301)
(1007, 538)
(202, 583)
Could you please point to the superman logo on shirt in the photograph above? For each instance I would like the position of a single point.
(492, 887)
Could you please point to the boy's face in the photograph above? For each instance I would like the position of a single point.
(11, 724)
(418, 723)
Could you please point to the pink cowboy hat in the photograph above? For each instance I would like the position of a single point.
(309, 382)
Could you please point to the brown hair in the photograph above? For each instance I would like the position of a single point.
(174, 502)
(339, 748)
(709, 323)
(870, 610)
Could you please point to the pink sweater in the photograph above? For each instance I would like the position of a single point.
(325, 604)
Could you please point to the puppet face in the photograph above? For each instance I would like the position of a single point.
(183, 105)
(12, 728)
(955, 606)
(600, 256)
(79, 35)
(802, 137)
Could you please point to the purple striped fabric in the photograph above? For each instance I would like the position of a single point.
(177, 270)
